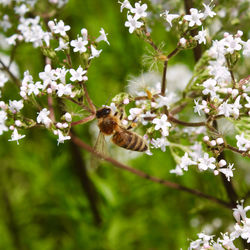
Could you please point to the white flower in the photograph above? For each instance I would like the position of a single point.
(15, 106)
(34, 88)
(60, 28)
(242, 143)
(232, 44)
(61, 137)
(3, 79)
(62, 45)
(206, 162)
(210, 87)
(15, 136)
(102, 37)
(125, 4)
(139, 10)
(64, 89)
(245, 234)
(186, 161)
(79, 45)
(170, 17)
(60, 74)
(84, 33)
(240, 212)
(3, 118)
(198, 107)
(43, 117)
(247, 105)
(162, 124)
(228, 172)
(208, 11)
(246, 48)
(177, 170)
(236, 107)
(134, 112)
(94, 52)
(201, 37)
(163, 101)
(68, 117)
(21, 10)
(183, 41)
(225, 109)
(132, 23)
(194, 18)
(227, 242)
(160, 143)
(78, 75)
(48, 75)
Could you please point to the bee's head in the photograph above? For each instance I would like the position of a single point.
(103, 112)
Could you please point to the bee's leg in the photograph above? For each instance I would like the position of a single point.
(121, 115)
(131, 125)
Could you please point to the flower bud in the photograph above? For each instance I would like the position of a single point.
(205, 138)
(213, 143)
(18, 123)
(68, 117)
(219, 141)
(222, 163)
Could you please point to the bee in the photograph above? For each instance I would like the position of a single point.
(110, 124)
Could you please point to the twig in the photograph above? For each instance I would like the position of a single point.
(141, 174)
(243, 153)
(188, 124)
(84, 120)
(163, 83)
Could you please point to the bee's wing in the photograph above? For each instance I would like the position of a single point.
(100, 147)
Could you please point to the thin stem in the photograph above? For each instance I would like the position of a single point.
(189, 124)
(84, 120)
(141, 174)
(163, 83)
(243, 153)
(79, 104)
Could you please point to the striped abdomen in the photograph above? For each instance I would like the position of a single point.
(129, 140)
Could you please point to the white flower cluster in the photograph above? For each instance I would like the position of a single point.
(134, 14)
(196, 157)
(226, 241)
(220, 83)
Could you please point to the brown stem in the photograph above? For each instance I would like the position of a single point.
(178, 109)
(84, 120)
(163, 83)
(79, 104)
(243, 153)
(141, 174)
(188, 124)
(87, 185)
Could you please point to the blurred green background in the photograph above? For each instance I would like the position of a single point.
(47, 201)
